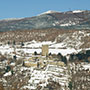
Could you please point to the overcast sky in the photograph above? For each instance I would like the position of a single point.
(29, 8)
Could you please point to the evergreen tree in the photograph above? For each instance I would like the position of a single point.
(8, 42)
(14, 43)
(14, 57)
(38, 64)
(22, 44)
(23, 64)
(70, 85)
(8, 68)
(12, 72)
(59, 54)
(64, 59)
(60, 57)
(35, 53)
(50, 54)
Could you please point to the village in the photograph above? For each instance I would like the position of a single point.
(40, 70)
(38, 67)
(43, 59)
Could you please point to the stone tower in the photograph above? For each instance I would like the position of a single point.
(45, 50)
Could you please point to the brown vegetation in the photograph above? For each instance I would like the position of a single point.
(1, 87)
(44, 35)
(28, 35)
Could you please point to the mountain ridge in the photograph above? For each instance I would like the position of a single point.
(77, 19)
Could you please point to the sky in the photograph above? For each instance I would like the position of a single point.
(29, 8)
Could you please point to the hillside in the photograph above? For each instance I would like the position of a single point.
(51, 19)
(61, 38)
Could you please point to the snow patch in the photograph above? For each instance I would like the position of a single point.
(68, 24)
(10, 19)
(77, 11)
(49, 12)
(8, 74)
(86, 66)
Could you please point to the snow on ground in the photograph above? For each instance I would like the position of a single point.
(7, 74)
(35, 44)
(6, 49)
(40, 77)
(87, 66)
(29, 50)
(57, 45)
(54, 48)
(68, 24)
(12, 64)
(64, 52)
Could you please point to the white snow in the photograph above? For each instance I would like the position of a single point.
(7, 74)
(28, 87)
(86, 66)
(57, 45)
(64, 52)
(3, 80)
(6, 49)
(77, 11)
(53, 51)
(10, 19)
(74, 41)
(34, 44)
(30, 50)
(68, 24)
(12, 64)
(49, 12)
(41, 77)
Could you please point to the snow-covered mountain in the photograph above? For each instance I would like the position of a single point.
(77, 19)
(49, 12)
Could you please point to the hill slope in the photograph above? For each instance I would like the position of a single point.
(61, 38)
(51, 19)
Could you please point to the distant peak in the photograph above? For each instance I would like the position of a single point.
(49, 12)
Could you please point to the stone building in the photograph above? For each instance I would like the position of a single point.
(45, 50)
